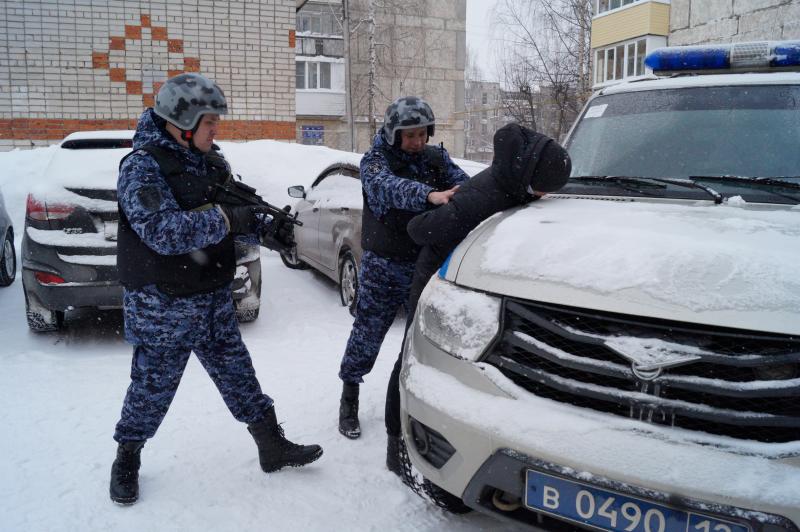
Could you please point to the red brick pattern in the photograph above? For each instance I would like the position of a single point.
(116, 43)
(133, 87)
(116, 74)
(54, 128)
(158, 33)
(175, 45)
(133, 32)
(191, 64)
(100, 60)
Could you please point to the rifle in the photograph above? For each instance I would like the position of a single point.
(226, 189)
(233, 192)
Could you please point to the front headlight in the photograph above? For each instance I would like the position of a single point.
(461, 322)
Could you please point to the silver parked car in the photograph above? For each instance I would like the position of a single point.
(8, 257)
(330, 238)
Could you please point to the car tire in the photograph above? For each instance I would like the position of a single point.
(247, 315)
(8, 260)
(291, 261)
(427, 489)
(348, 282)
(444, 499)
(43, 320)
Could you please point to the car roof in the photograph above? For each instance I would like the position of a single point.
(704, 80)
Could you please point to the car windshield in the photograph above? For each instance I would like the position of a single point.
(695, 132)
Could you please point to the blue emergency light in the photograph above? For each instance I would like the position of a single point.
(751, 56)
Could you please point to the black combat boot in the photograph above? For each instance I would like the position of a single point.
(124, 487)
(275, 451)
(348, 412)
(394, 447)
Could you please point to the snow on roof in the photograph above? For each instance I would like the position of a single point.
(104, 134)
(705, 80)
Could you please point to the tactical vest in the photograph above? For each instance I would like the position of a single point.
(387, 236)
(197, 272)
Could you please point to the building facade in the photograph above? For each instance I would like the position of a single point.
(71, 65)
(716, 21)
(406, 47)
(483, 115)
(320, 75)
(623, 33)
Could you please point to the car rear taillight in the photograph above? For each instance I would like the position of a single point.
(48, 278)
(36, 209)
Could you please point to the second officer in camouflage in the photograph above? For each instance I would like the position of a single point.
(175, 257)
(401, 176)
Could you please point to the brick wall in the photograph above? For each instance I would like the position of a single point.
(72, 65)
(718, 21)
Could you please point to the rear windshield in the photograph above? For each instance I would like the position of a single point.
(96, 144)
(749, 131)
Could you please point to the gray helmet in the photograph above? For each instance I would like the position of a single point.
(182, 100)
(407, 113)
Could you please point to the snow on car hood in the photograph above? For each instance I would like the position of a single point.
(734, 265)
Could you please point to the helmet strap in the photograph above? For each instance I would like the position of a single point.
(188, 136)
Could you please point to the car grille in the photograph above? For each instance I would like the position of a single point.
(729, 382)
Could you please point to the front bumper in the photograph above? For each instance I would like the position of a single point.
(499, 430)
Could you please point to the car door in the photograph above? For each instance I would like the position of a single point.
(307, 235)
(342, 197)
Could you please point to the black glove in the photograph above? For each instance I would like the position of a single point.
(280, 236)
(243, 219)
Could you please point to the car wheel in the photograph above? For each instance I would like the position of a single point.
(247, 315)
(348, 281)
(427, 489)
(290, 260)
(43, 320)
(250, 313)
(8, 261)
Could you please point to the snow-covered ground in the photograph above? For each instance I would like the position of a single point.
(62, 395)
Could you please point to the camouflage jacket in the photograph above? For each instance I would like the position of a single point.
(149, 205)
(385, 191)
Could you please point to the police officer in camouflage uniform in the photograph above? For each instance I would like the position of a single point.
(176, 261)
(401, 176)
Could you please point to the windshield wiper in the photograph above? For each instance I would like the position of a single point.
(656, 182)
(623, 182)
(692, 184)
(759, 182)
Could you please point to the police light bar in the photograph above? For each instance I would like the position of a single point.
(749, 56)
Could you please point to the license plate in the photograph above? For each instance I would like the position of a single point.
(609, 510)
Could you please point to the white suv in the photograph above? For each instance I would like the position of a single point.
(625, 354)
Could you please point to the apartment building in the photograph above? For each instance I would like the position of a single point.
(623, 33)
(406, 47)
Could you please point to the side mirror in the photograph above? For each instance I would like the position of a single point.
(297, 191)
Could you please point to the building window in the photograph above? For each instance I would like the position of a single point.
(300, 75)
(484, 98)
(312, 75)
(608, 5)
(620, 61)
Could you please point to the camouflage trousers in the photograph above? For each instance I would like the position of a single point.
(164, 331)
(382, 290)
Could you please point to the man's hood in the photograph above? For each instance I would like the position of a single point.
(516, 151)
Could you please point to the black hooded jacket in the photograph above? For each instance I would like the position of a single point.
(522, 159)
